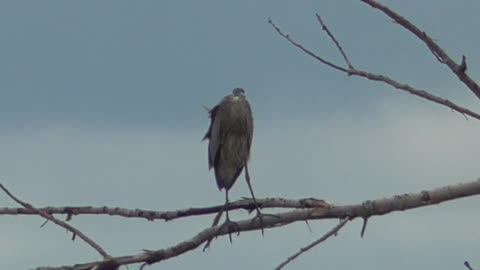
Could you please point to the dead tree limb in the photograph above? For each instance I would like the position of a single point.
(362, 210)
(151, 215)
(372, 76)
(437, 51)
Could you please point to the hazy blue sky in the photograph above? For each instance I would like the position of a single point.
(101, 104)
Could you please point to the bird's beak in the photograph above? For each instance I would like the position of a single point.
(207, 109)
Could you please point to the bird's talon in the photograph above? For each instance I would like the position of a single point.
(231, 227)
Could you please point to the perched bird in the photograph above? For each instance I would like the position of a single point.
(230, 138)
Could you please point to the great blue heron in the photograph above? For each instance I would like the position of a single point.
(230, 138)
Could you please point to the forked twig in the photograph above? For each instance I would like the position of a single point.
(339, 47)
(300, 46)
(382, 78)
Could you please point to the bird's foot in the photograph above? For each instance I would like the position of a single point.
(231, 227)
(259, 216)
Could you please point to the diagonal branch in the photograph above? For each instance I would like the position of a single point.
(339, 47)
(436, 50)
(333, 231)
(363, 210)
(382, 78)
(60, 223)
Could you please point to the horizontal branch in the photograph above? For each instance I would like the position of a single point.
(364, 210)
(245, 204)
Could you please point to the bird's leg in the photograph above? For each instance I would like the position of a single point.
(226, 207)
(259, 214)
(230, 224)
(247, 178)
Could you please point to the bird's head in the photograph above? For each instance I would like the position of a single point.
(238, 92)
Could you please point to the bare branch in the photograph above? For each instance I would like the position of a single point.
(300, 46)
(437, 51)
(339, 47)
(333, 231)
(58, 222)
(366, 209)
(417, 92)
(245, 204)
(382, 78)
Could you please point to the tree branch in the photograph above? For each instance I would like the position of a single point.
(436, 50)
(333, 231)
(381, 78)
(244, 204)
(332, 37)
(300, 46)
(60, 223)
(363, 210)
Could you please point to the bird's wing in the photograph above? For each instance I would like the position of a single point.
(249, 125)
(211, 114)
(214, 133)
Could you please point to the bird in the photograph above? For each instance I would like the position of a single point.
(230, 137)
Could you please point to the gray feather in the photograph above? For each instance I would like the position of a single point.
(230, 137)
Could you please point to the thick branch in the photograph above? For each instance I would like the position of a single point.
(364, 210)
(60, 223)
(437, 51)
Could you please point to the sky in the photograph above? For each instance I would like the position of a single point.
(101, 103)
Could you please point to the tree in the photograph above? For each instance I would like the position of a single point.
(297, 210)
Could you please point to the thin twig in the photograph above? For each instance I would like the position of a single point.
(300, 46)
(333, 231)
(58, 222)
(339, 47)
(437, 51)
(382, 78)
